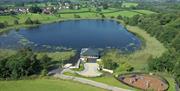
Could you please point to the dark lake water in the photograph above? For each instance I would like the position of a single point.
(75, 34)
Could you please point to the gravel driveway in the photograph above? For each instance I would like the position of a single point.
(90, 70)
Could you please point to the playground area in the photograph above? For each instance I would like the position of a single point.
(144, 82)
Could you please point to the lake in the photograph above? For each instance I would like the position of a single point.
(73, 34)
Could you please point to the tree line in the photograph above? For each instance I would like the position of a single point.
(23, 64)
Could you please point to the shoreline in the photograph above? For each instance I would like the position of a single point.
(120, 22)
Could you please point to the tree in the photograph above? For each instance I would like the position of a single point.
(134, 20)
(35, 9)
(163, 63)
(176, 42)
(24, 63)
(44, 64)
(98, 10)
(176, 71)
(3, 69)
(168, 34)
(117, 4)
(28, 21)
(105, 6)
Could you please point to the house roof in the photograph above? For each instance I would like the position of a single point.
(89, 52)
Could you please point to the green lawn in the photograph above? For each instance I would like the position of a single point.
(113, 82)
(45, 85)
(107, 79)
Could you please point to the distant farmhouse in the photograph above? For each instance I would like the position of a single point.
(18, 10)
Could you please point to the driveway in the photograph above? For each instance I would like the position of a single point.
(90, 70)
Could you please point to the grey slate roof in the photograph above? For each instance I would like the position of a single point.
(89, 52)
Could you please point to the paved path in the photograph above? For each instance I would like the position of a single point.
(90, 70)
(90, 82)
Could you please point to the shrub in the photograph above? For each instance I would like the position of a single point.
(119, 17)
(28, 21)
(77, 16)
(36, 22)
(16, 22)
(103, 16)
(124, 67)
(109, 64)
(2, 25)
(5, 23)
(112, 17)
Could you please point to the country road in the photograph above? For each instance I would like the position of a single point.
(89, 82)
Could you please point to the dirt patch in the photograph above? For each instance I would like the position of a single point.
(144, 82)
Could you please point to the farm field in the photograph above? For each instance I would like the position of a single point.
(67, 14)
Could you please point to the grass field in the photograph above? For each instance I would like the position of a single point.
(130, 5)
(22, 17)
(45, 85)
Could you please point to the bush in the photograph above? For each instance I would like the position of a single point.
(77, 16)
(119, 17)
(112, 17)
(5, 23)
(2, 25)
(36, 22)
(28, 21)
(124, 67)
(16, 22)
(59, 16)
(109, 64)
(44, 72)
(103, 16)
